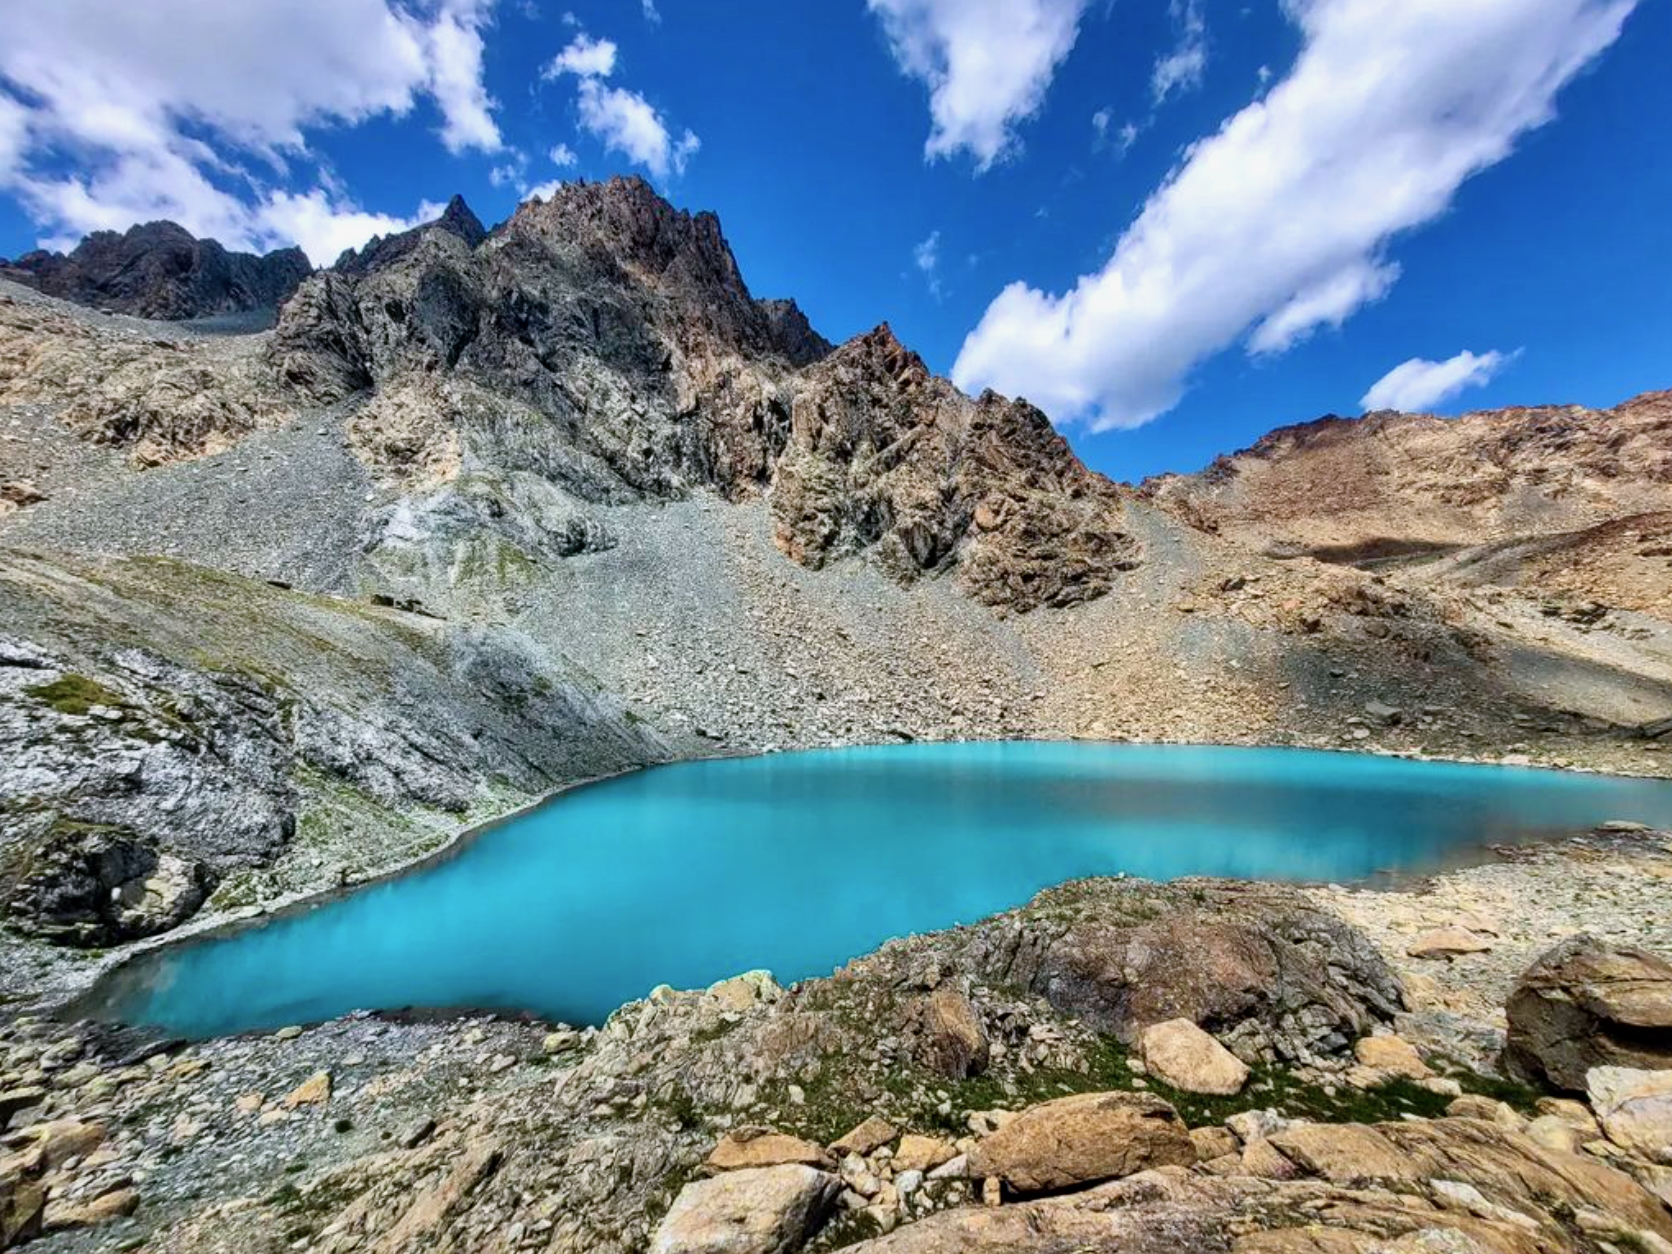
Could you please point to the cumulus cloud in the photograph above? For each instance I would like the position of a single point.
(619, 118)
(1181, 69)
(1279, 223)
(625, 122)
(161, 107)
(987, 64)
(1419, 384)
(585, 57)
(324, 228)
(562, 156)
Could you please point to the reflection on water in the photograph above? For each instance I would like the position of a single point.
(797, 862)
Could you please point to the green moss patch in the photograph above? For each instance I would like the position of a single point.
(75, 694)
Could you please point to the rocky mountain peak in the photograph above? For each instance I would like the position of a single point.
(462, 221)
(160, 270)
(385, 250)
(624, 219)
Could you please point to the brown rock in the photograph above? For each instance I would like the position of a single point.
(922, 1153)
(66, 1216)
(48, 1146)
(22, 1205)
(1447, 942)
(1082, 1139)
(761, 1147)
(1634, 1108)
(951, 1041)
(1589, 1004)
(1179, 1053)
(1344, 1153)
(867, 1138)
(763, 1210)
(1212, 1143)
(314, 1091)
(1392, 1056)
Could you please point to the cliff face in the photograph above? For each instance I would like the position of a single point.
(160, 270)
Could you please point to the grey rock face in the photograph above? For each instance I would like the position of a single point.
(1588, 1004)
(163, 726)
(84, 884)
(160, 270)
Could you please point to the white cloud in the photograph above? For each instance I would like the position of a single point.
(1181, 69)
(987, 64)
(926, 256)
(324, 229)
(1420, 385)
(624, 122)
(543, 191)
(1100, 123)
(652, 14)
(585, 57)
(1279, 222)
(455, 44)
(621, 119)
(14, 136)
(157, 106)
(562, 156)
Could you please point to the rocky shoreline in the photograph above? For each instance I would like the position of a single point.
(486, 1133)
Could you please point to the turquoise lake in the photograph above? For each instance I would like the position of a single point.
(688, 873)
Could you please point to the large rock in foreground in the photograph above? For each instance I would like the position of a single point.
(1259, 966)
(762, 1210)
(1084, 1139)
(1588, 1004)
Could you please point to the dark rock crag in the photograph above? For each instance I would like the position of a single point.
(160, 270)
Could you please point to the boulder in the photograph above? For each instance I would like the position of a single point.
(1179, 1053)
(1634, 1108)
(761, 1210)
(923, 1153)
(91, 884)
(867, 1138)
(1588, 1004)
(1391, 1056)
(45, 1147)
(761, 1147)
(950, 1039)
(1260, 966)
(1083, 1139)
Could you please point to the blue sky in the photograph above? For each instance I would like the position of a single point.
(1174, 224)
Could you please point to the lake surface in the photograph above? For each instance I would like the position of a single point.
(689, 873)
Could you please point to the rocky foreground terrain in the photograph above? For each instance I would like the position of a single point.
(488, 512)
